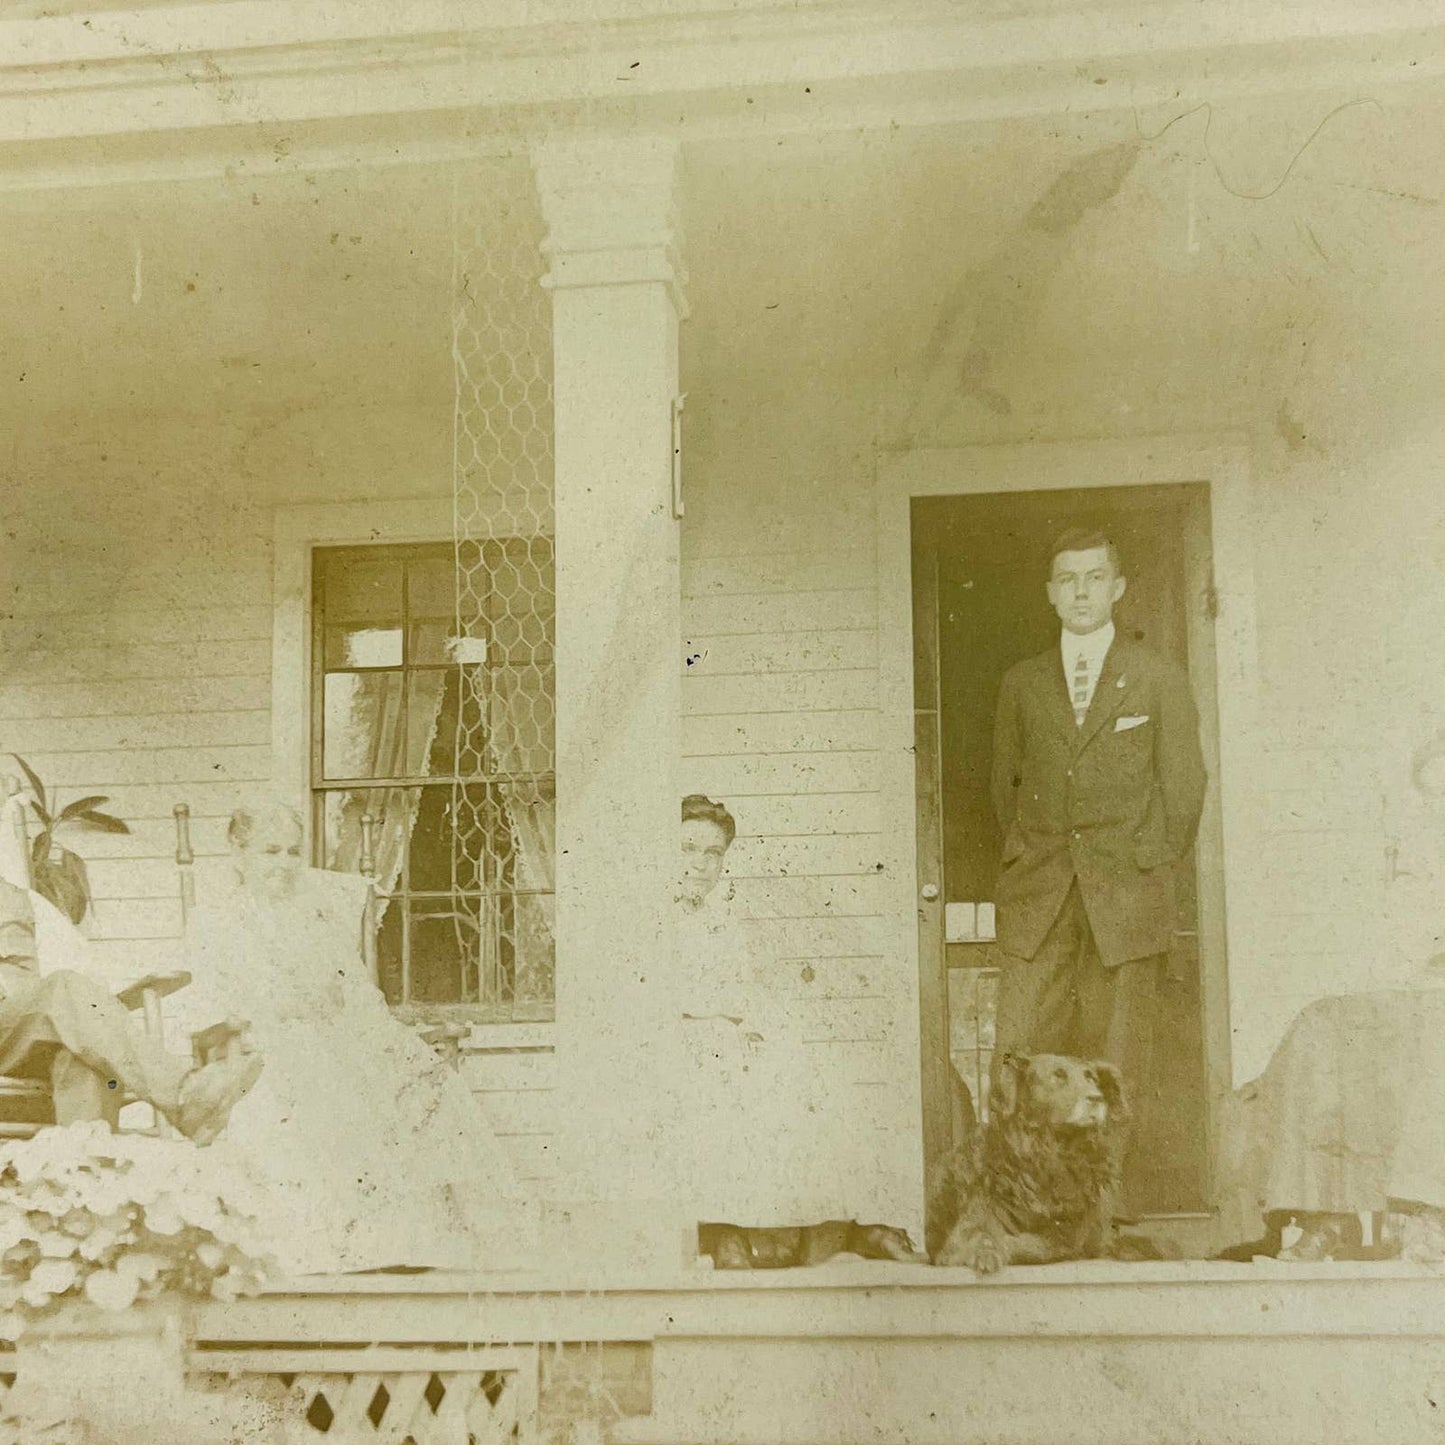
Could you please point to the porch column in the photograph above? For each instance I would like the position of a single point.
(616, 293)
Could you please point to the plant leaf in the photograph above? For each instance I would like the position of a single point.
(81, 805)
(36, 786)
(101, 822)
(64, 882)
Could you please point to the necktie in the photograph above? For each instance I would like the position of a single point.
(1081, 690)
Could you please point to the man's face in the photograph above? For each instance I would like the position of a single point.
(1083, 588)
(270, 860)
(704, 846)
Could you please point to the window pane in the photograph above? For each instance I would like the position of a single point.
(431, 723)
(523, 720)
(444, 952)
(361, 645)
(364, 733)
(362, 610)
(361, 588)
(429, 641)
(431, 588)
(393, 812)
(456, 829)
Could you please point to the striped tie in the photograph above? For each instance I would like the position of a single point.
(1081, 690)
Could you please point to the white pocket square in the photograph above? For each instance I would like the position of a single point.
(1123, 724)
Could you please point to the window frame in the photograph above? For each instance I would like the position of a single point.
(298, 532)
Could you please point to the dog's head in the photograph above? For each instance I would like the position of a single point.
(1058, 1092)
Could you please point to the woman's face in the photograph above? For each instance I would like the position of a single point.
(270, 860)
(704, 847)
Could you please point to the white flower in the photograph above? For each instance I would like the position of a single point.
(49, 1278)
(56, 1244)
(112, 1290)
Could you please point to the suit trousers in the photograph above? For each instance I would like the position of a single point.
(1064, 1000)
(95, 1054)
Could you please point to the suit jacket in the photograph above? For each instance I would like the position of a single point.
(1114, 803)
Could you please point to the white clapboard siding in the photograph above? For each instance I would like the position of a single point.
(177, 766)
(737, 776)
(138, 627)
(137, 918)
(134, 697)
(819, 937)
(705, 694)
(817, 1020)
(138, 802)
(790, 572)
(860, 1060)
(835, 896)
(64, 591)
(830, 978)
(249, 728)
(822, 650)
(133, 661)
(781, 732)
(823, 855)
(506, 1071)
(740, 614)
(151, 838)
(786, 815)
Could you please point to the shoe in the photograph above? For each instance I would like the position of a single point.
(208, 1095)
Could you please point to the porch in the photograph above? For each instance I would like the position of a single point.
(859, 1352)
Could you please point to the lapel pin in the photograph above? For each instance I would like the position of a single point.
(1121, 682)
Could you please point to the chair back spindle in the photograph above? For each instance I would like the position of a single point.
(185, 861)
(370, 914)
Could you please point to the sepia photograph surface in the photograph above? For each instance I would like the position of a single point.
(722, 722)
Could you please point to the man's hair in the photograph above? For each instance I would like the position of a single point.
(245, 821)
(1085, 539)
(696, 808)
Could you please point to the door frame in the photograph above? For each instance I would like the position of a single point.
(1227, 825)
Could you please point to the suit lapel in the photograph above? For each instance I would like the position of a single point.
(1109, 695)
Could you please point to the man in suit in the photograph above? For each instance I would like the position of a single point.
(1098, 781)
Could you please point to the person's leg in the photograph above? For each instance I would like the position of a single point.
(70, 1015)
(1116, 1023)
(1036, 996)
(79, 1094)
(80, 1017)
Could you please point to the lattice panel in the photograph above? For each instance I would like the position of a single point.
(440, 1406)
(503, 832)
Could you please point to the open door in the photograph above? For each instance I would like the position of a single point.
(979, 568)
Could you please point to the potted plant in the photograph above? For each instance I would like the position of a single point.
(57, 873)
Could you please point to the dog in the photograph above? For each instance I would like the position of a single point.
(734, 1247)
(1039, 1183)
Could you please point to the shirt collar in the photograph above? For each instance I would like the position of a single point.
(1093, 645)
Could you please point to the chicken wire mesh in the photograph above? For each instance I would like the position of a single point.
(503, 794)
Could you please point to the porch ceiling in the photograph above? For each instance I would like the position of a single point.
(860, 256)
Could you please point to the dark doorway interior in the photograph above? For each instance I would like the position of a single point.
(979, 566)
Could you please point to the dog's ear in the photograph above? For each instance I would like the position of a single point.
(1111, 1085)
(1003, 1097)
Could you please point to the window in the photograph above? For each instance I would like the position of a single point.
(433, 715)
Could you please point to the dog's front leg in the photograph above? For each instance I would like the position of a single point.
(1031, 1249)
(979, 1240)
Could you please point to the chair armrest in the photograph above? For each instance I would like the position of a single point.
(209, 1041)
(161, 984)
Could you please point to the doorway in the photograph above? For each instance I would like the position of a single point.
(979, 563)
